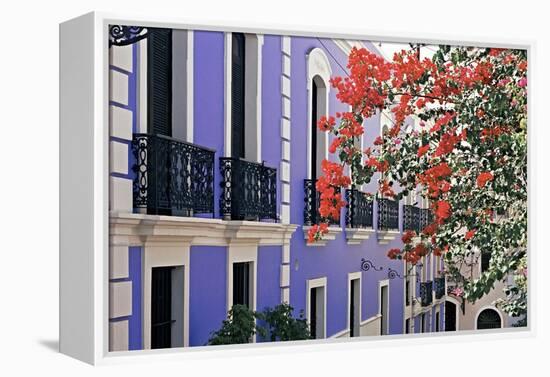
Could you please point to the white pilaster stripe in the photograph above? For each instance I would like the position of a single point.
(284, 175)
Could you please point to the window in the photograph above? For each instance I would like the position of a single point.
(243, 92)
(384, 302)
(354, 309)
(407, 326)
(407, 292)
(167, 307)
(485, 261)
(159, 81)
(437, 321)
(316, 307)
(242, 283)
(318, 74)
(237, 94)
(488, 319)
(423, 323)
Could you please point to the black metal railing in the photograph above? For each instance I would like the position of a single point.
(426, 218)
(359, 209)
(312, 200)
(172, 177)
(388, 214)
(249, 190)
(411, 218)
(426, 296)
(439, 287)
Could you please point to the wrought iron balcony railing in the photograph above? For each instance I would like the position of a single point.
(439, 287)
(388, 214)
(426, 218)
(312, 200)
(172, 177)
(249, 190)
(359, 209)
(426, 296)
(411, 218)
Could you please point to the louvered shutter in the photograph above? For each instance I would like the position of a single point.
(237, 95)
(159, 81)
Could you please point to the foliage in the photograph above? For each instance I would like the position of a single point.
(238, 328)
(277, 323)
(282, 326)
(458, 139)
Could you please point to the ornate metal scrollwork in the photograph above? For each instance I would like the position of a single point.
(411, 218)
(366, 265)
(359, 209)
(388, 214)
(249, 190)
(312, 199)
(171, 176)
(392, 274)
(122, 35)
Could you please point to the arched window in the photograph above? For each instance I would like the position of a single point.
(488, 319)
(318, 71)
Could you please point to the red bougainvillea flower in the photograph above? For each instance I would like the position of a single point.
(386, 190)
(483, 178)
(315, 230)
(326, 124)
(469, 234)
(408, 236)
(442, 210)
(430, 229)
(393, 253)
(442, 121)
(422, 150)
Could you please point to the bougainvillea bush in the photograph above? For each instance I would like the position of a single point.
(459, 139)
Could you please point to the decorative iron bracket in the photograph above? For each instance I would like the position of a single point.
(366, 265)
(122, 35)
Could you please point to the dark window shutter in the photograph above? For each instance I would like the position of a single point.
(237, 94)
(159, 81)
(241, 284)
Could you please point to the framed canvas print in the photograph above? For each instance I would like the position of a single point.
(248, 188)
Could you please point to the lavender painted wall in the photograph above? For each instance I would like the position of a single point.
(209, 98)
(337, 259)
(135, 341)
(207, 294)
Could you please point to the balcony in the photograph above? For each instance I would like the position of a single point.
(426, 218)
(388, 214)
(358, 217)
(439, 287)
(249, 190)
(426, 296)
(411, 218)
(312, 200)
(388, 220)
(172, 177)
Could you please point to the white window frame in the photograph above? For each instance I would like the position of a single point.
(318, 66)
(381, 284)
(317, 283)
(238, 254)
(158, 255)
(351, 277)
(253, 95)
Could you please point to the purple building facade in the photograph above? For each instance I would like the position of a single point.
(213, 155)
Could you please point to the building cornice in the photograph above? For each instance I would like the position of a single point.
(140, 229)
